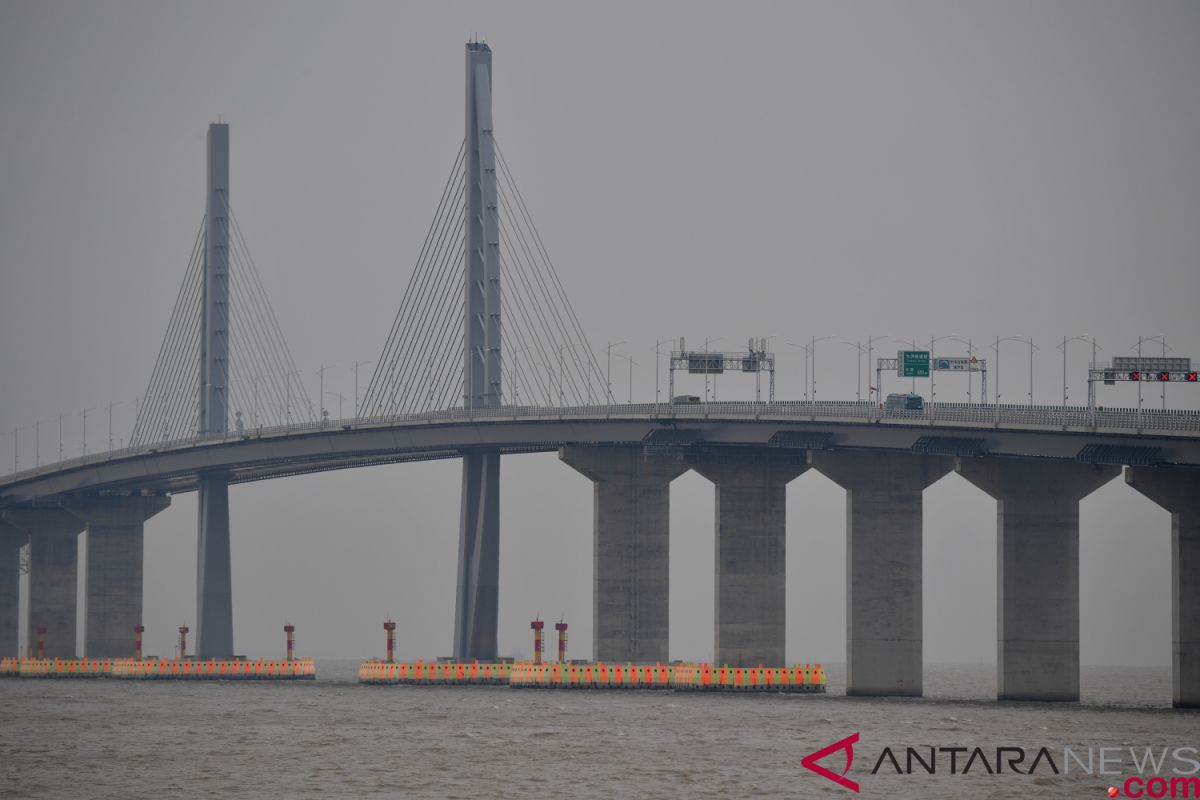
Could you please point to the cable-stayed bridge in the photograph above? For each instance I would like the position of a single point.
(486, 357)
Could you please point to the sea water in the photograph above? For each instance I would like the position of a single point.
(334, 738)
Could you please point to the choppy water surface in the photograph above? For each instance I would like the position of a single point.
(334, 738)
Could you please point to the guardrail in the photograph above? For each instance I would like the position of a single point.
(1007, 417)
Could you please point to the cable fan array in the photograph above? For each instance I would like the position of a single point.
(265, 387)
(547, 360)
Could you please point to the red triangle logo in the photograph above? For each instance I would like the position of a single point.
(847, 744)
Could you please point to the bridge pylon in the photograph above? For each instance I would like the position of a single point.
(214, 579)
(223, 368)
(446, 349)
(476, 612)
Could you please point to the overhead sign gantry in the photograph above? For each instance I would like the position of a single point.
(920, 364)
(754, 359)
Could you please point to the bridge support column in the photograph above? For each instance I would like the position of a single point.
(113, 575)
(214, 580)
(883, 553)
(1038, 569)
(631, 548)
(751, 583)
(1178, 491)
(477, 602)
(11, 541)
(53, 565)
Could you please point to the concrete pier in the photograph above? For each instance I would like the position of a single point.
(1178, 491)
(751, 582)
(12, 539)
(631, 548)
(477, 598)
(883, 555)
(53, 566)
(214, 578)
(1038, 569)
(113, 574)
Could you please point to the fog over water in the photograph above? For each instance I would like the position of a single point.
(706, 170)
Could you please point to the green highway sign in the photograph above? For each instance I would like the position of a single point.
(913, 363)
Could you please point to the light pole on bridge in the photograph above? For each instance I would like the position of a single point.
(996, 347)
(1161, 339)
(514, 370)
(658, 368)
(287, 377)
(608, 370)
(83, 438)
(970, 354)
(357, 364)
(803, 346)
(631, 365)
(321, 395)
(707, 342)
(858, 346)
(870, 353)
(1082, 338)
(932, 341)
(561, 348)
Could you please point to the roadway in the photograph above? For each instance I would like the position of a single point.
(1110, 436)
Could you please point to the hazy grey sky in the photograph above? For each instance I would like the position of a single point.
(706, 170)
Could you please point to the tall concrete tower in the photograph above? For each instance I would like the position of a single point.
(476, 605)
(214, 593)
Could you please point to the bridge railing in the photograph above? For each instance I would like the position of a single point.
(1070, 418)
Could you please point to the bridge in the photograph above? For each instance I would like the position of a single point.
(472, 372)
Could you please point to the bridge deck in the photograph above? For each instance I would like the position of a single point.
(1170, 437)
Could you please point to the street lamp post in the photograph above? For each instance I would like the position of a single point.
(561, 348)
(85, 430)
(1063, 347)
(996, 347)
(707, 342)
(357, 364)
(858, 370)
(631, 365)
(932, 385)
(288, 407)
(870, 352)
(321, 403)
(766, 341)
(549, 371)
(1031, 349)
(970, 353)
(803, 346)
(813, 345)
(1162, 339)
(608, 372)
(658, 369)
(515, 371)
